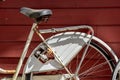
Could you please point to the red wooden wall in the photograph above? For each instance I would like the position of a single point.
(103, 15)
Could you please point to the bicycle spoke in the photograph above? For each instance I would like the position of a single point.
(85, 57)
(90, 59)
(89, 74)
(93, 68)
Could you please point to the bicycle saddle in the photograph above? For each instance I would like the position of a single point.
(35, 13)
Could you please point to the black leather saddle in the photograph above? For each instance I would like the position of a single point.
(35, 13)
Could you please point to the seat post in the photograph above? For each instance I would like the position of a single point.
(41, 19)
(25, 50)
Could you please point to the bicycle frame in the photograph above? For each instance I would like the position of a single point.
(34, 29)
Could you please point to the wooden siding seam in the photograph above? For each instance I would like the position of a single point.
(65, 8)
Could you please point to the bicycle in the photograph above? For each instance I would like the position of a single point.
(69, 54)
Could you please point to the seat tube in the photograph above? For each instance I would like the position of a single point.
(25, 50)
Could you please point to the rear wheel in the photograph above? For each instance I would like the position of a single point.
(97, 65)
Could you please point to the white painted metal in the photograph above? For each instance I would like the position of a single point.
(65, 45)
(24, 51)
(55, 30)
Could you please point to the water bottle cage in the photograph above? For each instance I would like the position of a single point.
(44, 55)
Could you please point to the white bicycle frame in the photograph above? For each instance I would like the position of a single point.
(39, 33)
